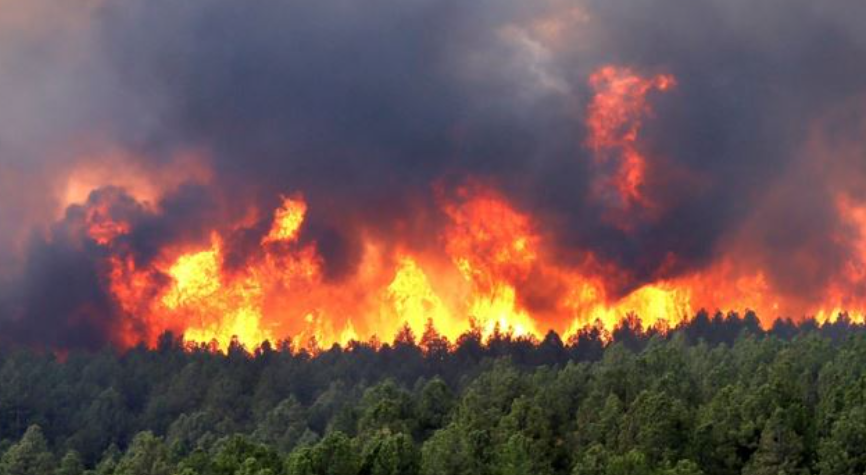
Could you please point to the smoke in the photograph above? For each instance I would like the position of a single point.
(375, 110)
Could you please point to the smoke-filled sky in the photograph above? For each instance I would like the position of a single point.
(180, 117)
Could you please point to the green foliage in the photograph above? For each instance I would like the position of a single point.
(686, 403)
(70, 464)
(108, 462)
(632, 462)
(656, 425)
(30, 456)
(386, 407)
(238, 454)
(336, 454)
(146, 456)
(434, 405)
(844, 449)
(200, 428)
(780, 450)
(447, 452)
(519, 455)
(683, 467)
(283, 426)
(391, 454)
(593, 461)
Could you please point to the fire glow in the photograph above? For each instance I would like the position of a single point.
(493, 250)
(484, 272)
(614, 121)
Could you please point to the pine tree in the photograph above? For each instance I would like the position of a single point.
(30, 456)
(70, 464)
(146, 456)
(780, 451)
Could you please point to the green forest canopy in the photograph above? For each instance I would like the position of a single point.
(716, 396)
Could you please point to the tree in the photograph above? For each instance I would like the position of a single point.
(337, 455)
(283, 426)
(780, 450)
(683, 467)
(632, 462)
(200, 428)
(655, 424)
(434, 405)
(524, 439)
(252, 466)
(237, 454)
(593, 461)
(599, 420)
(391, 454)
(109, 460)
(434, 345)
(70, 464)
(724, 435)
(519, 455)
(447, 452)
(386, 406)
(147, 455)
(333, 455)
(844, 451)
(104, 422)
(197, 462)
(301, 462)
(673, 404)
(30, 456)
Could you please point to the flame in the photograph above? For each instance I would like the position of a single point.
(215, 309)
(415, 301)
(287, 221)
(490, 246)
(196, 278)
(492, 253)
(489, 267)
(494, 247)
(614, 120)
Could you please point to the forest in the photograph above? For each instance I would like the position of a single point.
(718, 395)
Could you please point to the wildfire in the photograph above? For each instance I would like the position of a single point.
(415, 300)
(492, 248)
(492, 253)
(491, 267)
(214, 307)
(287, 221)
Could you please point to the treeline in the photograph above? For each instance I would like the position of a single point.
(716, 396)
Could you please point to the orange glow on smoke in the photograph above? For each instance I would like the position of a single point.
(101, 227)
(614, 120)
(122, 170)
(492, 254)
(489, 267)
(284, 293)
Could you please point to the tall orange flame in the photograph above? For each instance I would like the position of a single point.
(494, 252)
(614, 120)
(494, 268)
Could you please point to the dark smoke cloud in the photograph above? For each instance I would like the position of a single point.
(366, 107)
(63, 296)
